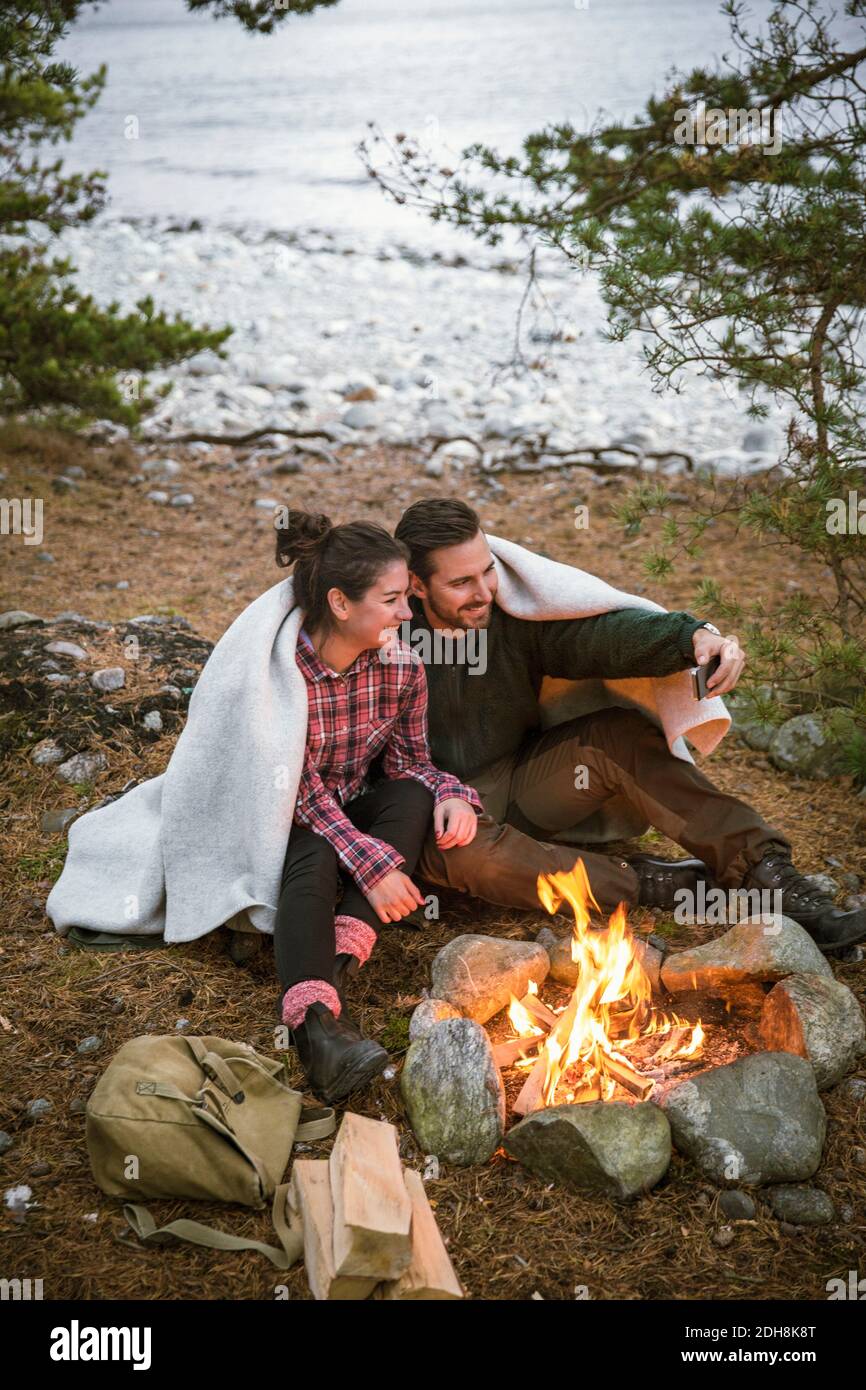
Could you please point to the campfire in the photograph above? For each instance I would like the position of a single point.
(609, 1033)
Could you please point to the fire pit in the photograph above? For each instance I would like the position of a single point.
(719, 1050)
(609, 1037)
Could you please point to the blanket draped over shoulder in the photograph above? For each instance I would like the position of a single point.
(203, 844)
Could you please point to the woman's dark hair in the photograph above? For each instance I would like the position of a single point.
(349, 557)
(432, 523)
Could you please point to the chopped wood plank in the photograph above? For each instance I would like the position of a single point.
(627, 1077)
(506, 1053)
(310, 1205)
(539, 1011)
(531, 1096)
(430, 1273)
(372, 1209)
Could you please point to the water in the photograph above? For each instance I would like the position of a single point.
(244, 129)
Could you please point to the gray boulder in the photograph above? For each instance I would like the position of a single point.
(803, 745)
(756, 1120)
(816, 1018)
(609, 1146)
(453, 1093)
(478, 974)
(753, 950)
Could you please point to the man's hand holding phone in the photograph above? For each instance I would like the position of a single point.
(732, 659)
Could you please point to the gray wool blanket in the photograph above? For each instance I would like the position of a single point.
(203, 844)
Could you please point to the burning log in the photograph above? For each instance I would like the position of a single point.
(505, 1054)
(531, 1095)
(539, 1011)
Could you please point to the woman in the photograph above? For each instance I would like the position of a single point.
(367, 696)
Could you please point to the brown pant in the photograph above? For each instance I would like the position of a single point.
(622, 754)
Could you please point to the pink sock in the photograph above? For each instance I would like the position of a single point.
(298, 999)
(354, 937)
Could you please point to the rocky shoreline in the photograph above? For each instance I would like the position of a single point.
(370, 341)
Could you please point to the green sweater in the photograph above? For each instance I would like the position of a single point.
(477, 717)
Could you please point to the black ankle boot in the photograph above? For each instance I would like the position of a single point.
(832, 930)
(660, 879)
(335, 1058)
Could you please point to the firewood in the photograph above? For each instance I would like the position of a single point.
(539, 1011)
(531, 1096)
(310, 1205)
(506, 1053)
(430, 1273)
(627, 1077)
(372, 1209)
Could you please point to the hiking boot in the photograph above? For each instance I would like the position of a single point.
(335, 1058)
(346, 967)
(660, 879)
(832, 930)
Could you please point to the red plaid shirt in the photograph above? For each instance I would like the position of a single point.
(375, 705)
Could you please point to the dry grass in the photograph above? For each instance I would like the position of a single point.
(508, 1233)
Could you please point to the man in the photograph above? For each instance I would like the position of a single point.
(485, 729)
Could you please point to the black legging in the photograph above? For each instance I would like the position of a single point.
(397, 812)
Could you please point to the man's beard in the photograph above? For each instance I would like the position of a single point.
(462, 621)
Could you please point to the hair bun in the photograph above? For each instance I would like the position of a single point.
(303, 536)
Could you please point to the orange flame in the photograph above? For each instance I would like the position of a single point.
(610, 1009)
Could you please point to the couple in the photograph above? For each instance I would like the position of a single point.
(477, 802)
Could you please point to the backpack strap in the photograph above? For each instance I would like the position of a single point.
(196, 1233)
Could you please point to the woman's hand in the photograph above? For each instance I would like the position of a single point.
(455, 823)
(394, 897)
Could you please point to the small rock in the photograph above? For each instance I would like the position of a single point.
(62, 484)
(362, 416)
(182, 499)
(824, 883)
(153, 721)
(801, 1206)
(5, 1141)
(855, 1089)
(157, 496)
(181, 1023)
(82, 767)
(37, 1108)
(72, 649)
(92, 1043)
(54, 822)
(428, 1013)
(77, 1106)
(18, 617)
(109, 678)
(723, 1237)
(39, 1170)
(858, 1157)
(431, 1168)
(168, 468)
(737, 1206)
(46, 752)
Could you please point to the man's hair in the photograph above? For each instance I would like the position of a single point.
(432, 523)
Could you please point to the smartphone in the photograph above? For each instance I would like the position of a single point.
(700, 676)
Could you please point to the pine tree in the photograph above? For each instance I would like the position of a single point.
(59, 350)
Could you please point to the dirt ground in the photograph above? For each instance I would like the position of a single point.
(509, 1234)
